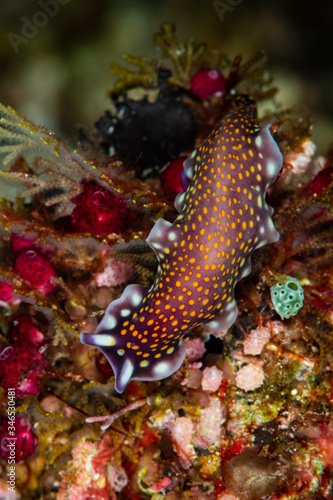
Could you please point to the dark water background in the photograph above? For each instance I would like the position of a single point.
(59, 74)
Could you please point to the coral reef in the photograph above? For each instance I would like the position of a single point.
(249, 413)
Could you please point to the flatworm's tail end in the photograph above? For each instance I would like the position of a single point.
(123, 368)
(129, 367)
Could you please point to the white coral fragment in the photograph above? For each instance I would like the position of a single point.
(250, 377)
(256, 340)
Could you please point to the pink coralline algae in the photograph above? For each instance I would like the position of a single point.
(181, 434)
(194, 348)
(171, 177)
(85, 475)
(256, 340)
(250, 377)
(20, 368)
(193, 376)
(25, 440)
(99, 211)
(208, 431)
(208, 82)
(211, 379)
(37, 270)
(114, 274)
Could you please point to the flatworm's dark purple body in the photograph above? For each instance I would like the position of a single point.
(223, 218)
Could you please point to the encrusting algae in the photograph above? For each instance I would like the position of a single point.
(248, 414)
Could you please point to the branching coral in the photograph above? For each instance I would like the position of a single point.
(19, 136)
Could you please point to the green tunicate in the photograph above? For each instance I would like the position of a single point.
(287, 297)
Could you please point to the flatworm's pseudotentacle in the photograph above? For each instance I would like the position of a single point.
(223, 218)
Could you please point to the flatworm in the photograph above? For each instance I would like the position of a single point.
(223, 217)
